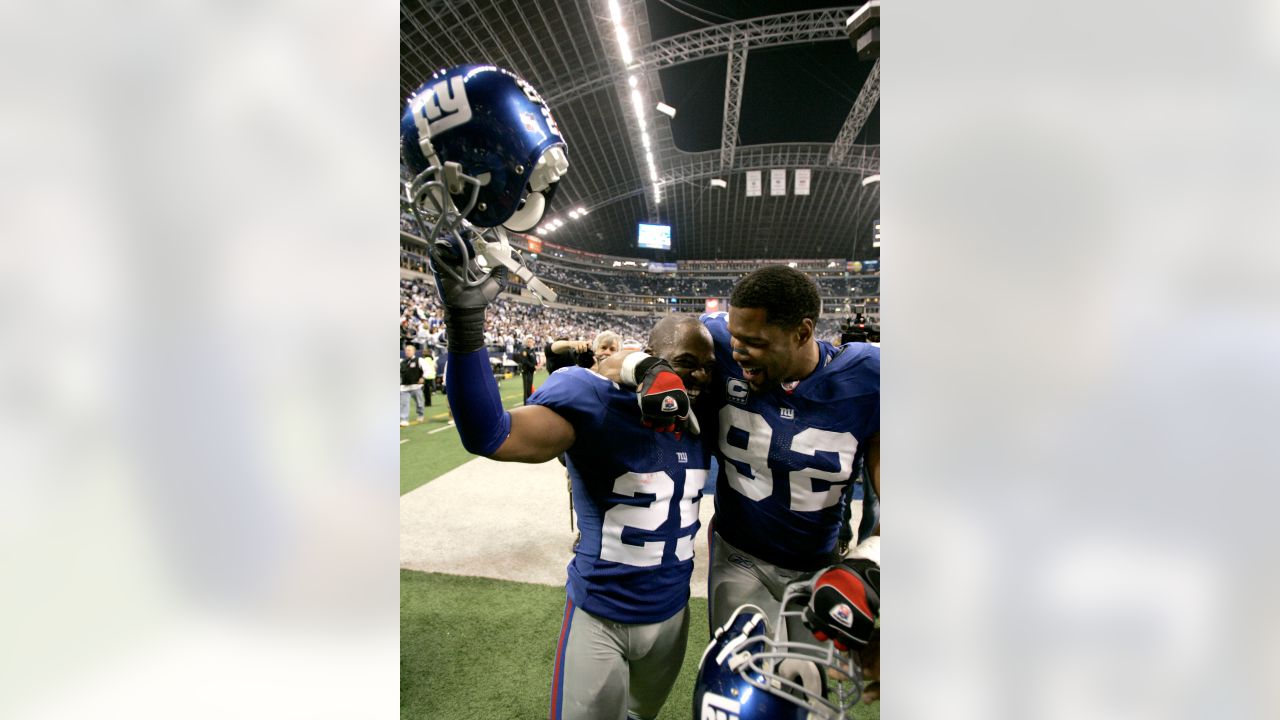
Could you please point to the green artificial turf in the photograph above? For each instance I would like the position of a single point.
(429, 455)
(484, 649)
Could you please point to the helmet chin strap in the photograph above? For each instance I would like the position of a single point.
(535, 204)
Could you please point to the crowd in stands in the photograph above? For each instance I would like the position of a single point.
(632, 282)
(509, 321)
(569, 280)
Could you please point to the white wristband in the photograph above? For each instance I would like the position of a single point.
(869, 549)
(627, 376)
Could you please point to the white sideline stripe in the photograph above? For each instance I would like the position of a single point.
(446, 427)
(462, 520)
(404, 441)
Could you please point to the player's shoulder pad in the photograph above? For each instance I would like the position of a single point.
(855, 368)
(579, 375)
(718, 324)
(719, 318)
(571, 386)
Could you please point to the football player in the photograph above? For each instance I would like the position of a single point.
(486, 155)
(636, 495)
(794, 419)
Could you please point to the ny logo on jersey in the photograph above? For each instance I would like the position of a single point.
(682, 457)
(737, 390)
(787, 413)
(442, 107)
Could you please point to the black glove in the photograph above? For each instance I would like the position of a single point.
(452, 263)
(664, 402)
(845, 603)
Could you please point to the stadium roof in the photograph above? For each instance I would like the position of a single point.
(756, 86)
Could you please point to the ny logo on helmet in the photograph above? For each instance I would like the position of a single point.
(443, 106)
(669, 404)
(716, 707)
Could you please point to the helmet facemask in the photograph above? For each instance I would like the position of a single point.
(814, 676)
(442, 224)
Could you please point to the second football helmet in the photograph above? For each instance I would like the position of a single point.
(750, 673)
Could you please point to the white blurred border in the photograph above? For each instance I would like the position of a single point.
(1081, 273)
(196, 440)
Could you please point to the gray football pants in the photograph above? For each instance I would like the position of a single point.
(612, 671)
(739, 578)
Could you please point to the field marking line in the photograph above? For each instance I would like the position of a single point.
(404, 441)
(446, 427)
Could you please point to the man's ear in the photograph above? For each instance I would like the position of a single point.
(804, 331)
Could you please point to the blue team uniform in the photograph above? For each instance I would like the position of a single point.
(807, 445)
(636, 493)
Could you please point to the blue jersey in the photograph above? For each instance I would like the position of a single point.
(787, 458)
(636, 494)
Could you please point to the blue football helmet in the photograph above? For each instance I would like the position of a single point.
(483, 156)
(749, 673)
(486, 136)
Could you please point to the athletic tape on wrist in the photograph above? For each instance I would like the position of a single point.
(465, 327)
(482, 423)
(628, 373)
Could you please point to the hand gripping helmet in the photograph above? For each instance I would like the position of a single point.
(748, 673)
(485, 136)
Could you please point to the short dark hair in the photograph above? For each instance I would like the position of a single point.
(787, 295)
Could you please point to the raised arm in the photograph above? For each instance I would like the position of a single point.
(527, 434)
(538, 434)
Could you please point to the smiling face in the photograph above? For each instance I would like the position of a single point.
(768, 354)
(605, 344)
(686, 344)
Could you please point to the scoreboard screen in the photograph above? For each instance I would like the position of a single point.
(655, 237)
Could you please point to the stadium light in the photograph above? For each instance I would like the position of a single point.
(573, 214)
(624, 46)
(582, 211)
(637, 99)
(875, 243)
(870, 179)
(718, 183)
